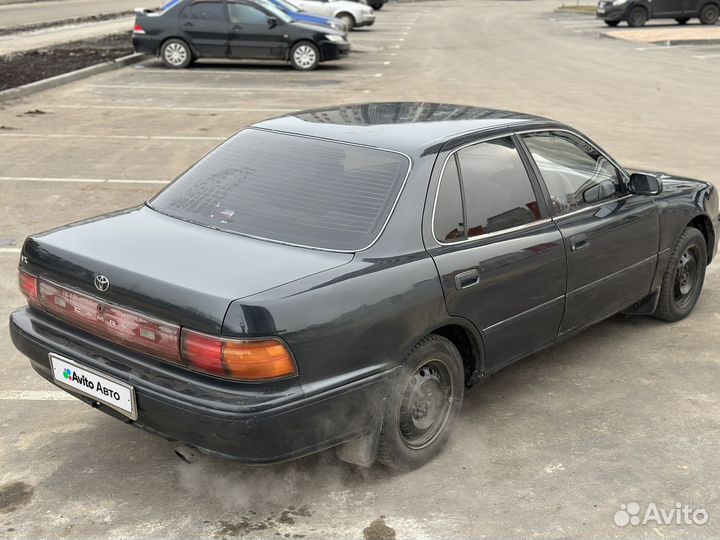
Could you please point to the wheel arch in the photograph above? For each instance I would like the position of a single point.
(703, 223)
(344, 12)
(468, 343)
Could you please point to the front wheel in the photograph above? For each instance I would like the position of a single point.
(304, 56)
(637, 17)
(612, 24)
(683, 278)
(709, 14)
(348, 19)
(425, 400)
(176, 54)
(682, 20)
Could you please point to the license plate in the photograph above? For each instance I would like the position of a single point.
(601, 10)
(88, 382)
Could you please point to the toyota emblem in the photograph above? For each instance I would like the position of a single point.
(102, 283)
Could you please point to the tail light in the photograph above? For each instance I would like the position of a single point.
(247, 360)
(133, 330)
(138, 29)
(29, 287)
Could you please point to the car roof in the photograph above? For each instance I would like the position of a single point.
(409, 127)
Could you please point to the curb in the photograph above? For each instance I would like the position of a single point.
(664, 42)
(71, 76)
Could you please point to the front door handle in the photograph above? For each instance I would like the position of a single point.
(237, 27)
(188, 25)
(465, 280)
(578, 242)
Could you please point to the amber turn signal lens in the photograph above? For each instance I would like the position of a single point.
(237, 359)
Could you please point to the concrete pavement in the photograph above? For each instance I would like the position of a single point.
(550, 447)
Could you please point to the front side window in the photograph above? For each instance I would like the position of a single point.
(210, 11)
(576, 174)
(498, 192)
(244, 14)
(292, 189)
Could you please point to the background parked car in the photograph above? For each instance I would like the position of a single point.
(235, 29)
(352, 14)
(638, 12)
(375, 4)
(297, 13)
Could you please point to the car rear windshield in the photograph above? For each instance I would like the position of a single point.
(292, 189)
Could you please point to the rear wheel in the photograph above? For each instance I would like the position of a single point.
(682, 20)
(683, 278)
(612, 23)
(425, 400)
(377, 6)
(348, 19)
(709, 14)
(176, 54)
(304, 56)
(637, 17)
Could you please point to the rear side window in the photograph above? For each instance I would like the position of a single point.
(448, 223)
(211, 11)
(290, 189)
(498, 192)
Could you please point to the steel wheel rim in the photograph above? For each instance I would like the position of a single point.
(304, 56)
(638, 17)
(425, 404)
(686, 276)
(175, 54)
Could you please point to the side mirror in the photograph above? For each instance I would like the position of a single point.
(272, 22)
(645, 184)
(598, 192)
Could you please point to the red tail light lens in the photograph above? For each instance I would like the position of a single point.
(135, 331)
(29, 287)
(138, 29)
(247, 360)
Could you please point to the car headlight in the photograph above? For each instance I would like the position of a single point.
(619, 2)
(335, 38)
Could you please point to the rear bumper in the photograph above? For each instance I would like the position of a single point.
(250, 423)
(146, 44)
(365, 20)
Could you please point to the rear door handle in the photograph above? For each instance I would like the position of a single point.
(465, 280)
(188, 25)
(236, 27)
(578, 242)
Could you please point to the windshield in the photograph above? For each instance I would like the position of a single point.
(276, 12)
(289, 5)
(292, 189)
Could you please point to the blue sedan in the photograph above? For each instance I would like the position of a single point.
(296, 13)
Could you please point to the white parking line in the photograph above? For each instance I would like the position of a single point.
(9, 250)
(79, 180)
(131, 137)
(216, 88)
(241, 72)
(35, 395)
(704, 56)
(372, 38)
(172, 108)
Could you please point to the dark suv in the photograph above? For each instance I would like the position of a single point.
(638, 12)
(192, 29)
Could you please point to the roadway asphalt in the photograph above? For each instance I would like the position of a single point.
(629, 411)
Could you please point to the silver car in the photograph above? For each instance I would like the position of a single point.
(353, 14)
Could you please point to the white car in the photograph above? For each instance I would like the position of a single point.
(352, 14)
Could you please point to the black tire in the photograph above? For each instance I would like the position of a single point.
(348, 19)
(683, 278)
(613, 24)
(176, 54)
(377, 7)
(304, 56)
(709, 14)
(425, 400)
(637, 17)
(682, 20)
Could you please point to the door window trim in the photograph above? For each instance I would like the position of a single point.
(625, 177)
(530, 174)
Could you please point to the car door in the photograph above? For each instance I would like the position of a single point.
(254, 33)
(665, 8)
(611, 237)
(500, 258)
(206, 26)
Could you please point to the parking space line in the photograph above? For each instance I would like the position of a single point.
(217, 88)
(35, 395)
(233, 71)
(10, 250)
(704, 56)
(78, 180)
(169, 109)
(130, 137)
(371, 38)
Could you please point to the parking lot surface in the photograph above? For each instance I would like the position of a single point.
(628, 411)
